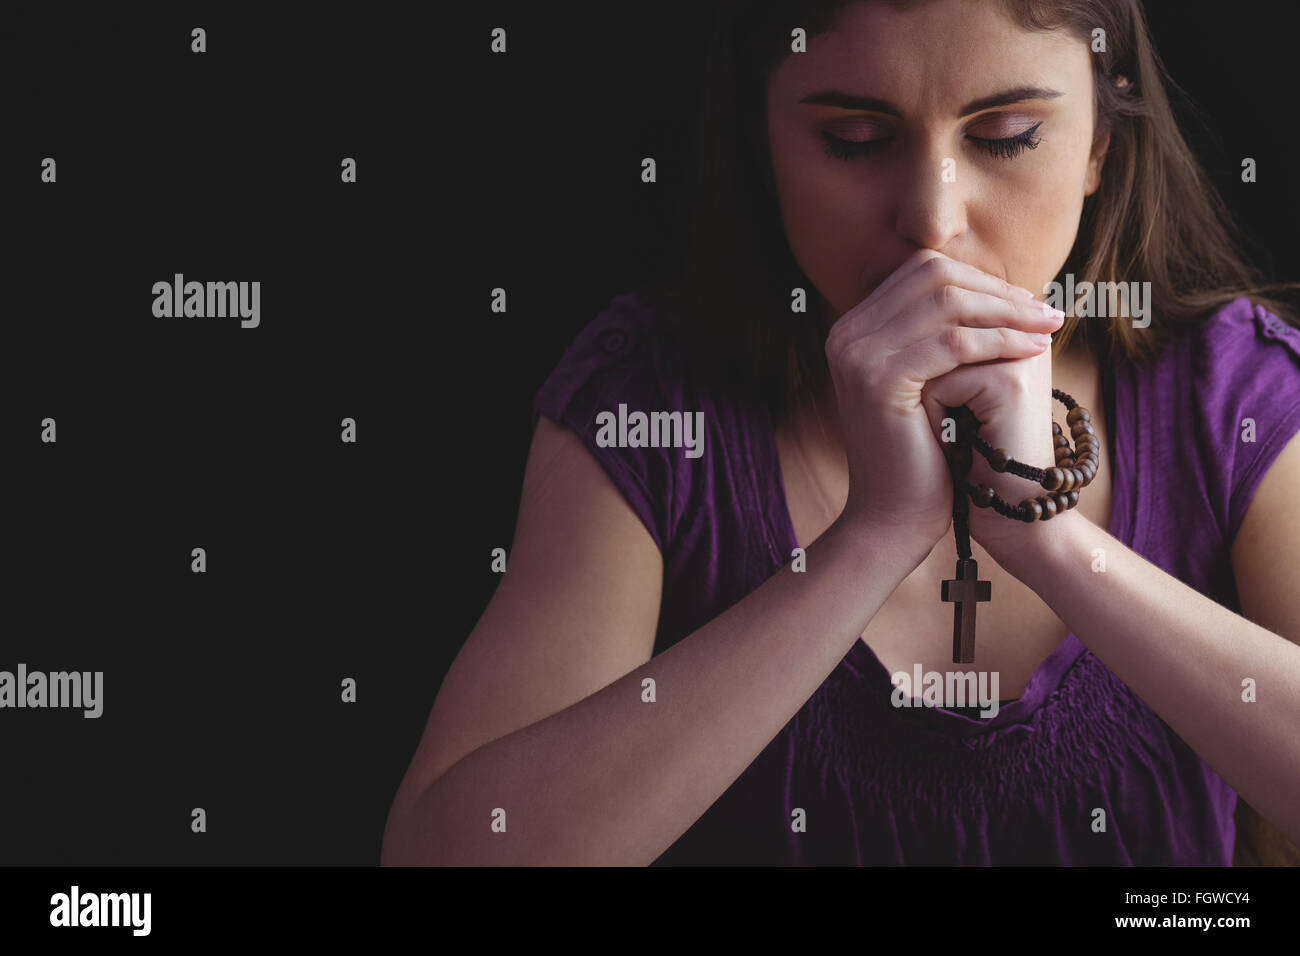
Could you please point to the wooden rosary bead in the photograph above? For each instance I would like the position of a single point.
(1081, 428)
(1075, 467)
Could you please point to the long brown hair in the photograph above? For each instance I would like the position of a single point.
(1155, 217)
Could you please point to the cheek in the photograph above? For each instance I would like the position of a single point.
(830, 217)
(1035, 217)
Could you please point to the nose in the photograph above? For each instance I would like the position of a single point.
(931, 205)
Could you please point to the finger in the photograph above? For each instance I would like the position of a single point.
(969, 385)
(990, 391)
(926, 278)
(957, 345)
(905, 269)
(938, 412)
(932, 278)
(954, 305)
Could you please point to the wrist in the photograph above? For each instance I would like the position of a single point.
(1037, 547)
(875, 538)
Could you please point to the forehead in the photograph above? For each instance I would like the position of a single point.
(933, 57)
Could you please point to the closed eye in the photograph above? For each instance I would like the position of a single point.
(1006, 148)
(1011, 146)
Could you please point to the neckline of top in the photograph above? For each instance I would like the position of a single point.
(861, 660)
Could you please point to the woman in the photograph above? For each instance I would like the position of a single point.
(706, 659)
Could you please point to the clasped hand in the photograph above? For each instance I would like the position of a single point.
(938, 333)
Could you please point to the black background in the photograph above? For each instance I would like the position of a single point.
(326, 560)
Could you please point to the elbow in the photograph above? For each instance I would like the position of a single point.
(393, 846)
(418, 833)
(406, 842)
(425, 827)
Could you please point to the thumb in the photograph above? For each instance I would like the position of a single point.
(964, 385)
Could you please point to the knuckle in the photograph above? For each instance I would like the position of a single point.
(935, 264)
(840, 336)
(1011, 377)
(923, 256)
(832, 345)
(1019, 383)
(865, 370)
(952, 339)
(946, 296)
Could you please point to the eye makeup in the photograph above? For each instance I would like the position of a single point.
(1004, 148)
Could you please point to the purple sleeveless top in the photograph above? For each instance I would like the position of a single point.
(885, 785)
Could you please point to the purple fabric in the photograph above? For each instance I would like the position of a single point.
(886, 785)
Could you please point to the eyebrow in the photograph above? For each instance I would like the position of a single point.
(850, 101)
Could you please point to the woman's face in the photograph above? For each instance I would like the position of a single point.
(928, 86)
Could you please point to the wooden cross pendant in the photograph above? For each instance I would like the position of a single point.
(966, 590)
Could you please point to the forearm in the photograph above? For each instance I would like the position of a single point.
(615, 780)
(1185, 655)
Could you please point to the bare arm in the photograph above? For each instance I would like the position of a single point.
(602, 777)
(541, 714)
(1187, 656)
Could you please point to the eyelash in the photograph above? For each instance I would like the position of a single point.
(1008, 148)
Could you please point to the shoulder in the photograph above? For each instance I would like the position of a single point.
(1240, 367)
(1239, 337)
(1245, 366)
(621, 352)
(619, 363)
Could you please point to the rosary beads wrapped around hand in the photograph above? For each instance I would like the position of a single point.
(1075, 468)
